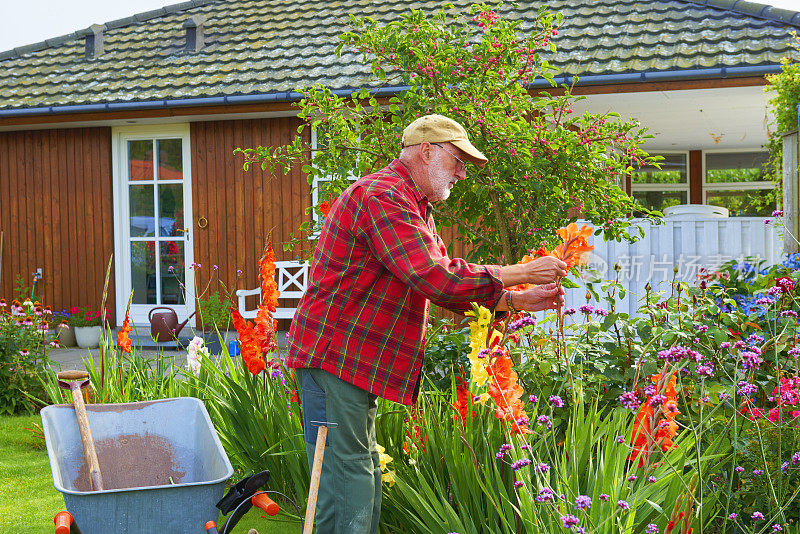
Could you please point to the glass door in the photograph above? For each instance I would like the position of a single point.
(155, 198)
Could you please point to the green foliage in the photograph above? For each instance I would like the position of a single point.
(543, 159)
(214, 312)
(22, 357)
(786, 88)
(22, 291)
(446, 352)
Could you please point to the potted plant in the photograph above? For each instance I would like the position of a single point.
(64, 332)
(87, 325)
(214, 317)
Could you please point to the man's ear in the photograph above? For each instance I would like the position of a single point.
(426, 152)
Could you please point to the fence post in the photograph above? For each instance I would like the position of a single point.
(791, 190)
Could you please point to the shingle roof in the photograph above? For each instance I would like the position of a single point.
(252, 47)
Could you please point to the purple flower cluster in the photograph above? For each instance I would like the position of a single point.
(751, 360)
(569, 311)
(796, 458)
(583, 502)
(758, 472)
(765, 301)
(652, 528)
(629, 400)
(545, 495)
(623, 504)
(544, 421)
(518, 484)
(757, 516)
(522, 322)
(543, 467)
(677, 353)
(657, 400)
(754, 339)
(533, 399)
(746, 389)
(789, 313)
(588, 309)
(725, 345)
(519, 464)
(556, 401)
(569, 521)
(705, 370)
(604, 497)
(650, 389)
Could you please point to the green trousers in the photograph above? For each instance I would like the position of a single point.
(349, 499)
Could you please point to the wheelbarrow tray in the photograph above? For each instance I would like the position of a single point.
(162, 464)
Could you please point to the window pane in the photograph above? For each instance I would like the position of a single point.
(736, 167)
(143, 272)
(172, 272)
(659, 200)
(170, 206)
(743, 203)
(170, 159)
(672, 171)
(140, 160)
(143, 217)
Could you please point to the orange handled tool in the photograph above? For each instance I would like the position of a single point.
(263, 501)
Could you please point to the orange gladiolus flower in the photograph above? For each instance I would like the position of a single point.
(258, 338)
(653, 428)
(504, 388)
(123, 341)
(574, 247)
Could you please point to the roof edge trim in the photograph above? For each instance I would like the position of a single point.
(753, 9)
(292, 96)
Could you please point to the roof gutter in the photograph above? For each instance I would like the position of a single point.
(292, 96)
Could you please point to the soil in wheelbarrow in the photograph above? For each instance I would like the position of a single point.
(133, 461)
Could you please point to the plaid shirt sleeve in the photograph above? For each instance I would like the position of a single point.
(401, 239)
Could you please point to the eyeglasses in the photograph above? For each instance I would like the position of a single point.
(462, 164)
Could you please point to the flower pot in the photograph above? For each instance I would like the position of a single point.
(88, 337)
(66, 336)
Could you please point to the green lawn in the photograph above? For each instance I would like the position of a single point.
(28, 500)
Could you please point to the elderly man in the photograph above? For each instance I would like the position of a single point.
(359, 330)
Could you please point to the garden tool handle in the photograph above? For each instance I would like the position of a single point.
(316, 472)
(83, 425)
(86, 437)
(72, 375)
(263, 501)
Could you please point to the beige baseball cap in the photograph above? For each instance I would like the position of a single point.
(440, 129)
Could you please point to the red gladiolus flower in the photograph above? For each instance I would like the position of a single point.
(123, 341)
(324, 208)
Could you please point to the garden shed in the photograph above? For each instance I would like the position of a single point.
(120, 138)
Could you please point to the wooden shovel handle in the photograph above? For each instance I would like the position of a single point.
(316, 472)
(86, 437)
(72, 375)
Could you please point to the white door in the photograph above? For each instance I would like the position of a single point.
(153, 222)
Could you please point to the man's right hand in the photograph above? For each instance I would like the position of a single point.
(544, 270)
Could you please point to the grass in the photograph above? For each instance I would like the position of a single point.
(28, 500)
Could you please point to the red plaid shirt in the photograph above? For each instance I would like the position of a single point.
(378, 264)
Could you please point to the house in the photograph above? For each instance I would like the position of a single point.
(119, 139)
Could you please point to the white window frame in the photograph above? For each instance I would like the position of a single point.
(316, 218)
(666, 187)
(732, 186)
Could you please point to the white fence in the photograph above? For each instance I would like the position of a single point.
(689, 244)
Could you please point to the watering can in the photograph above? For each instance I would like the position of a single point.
(164, 326)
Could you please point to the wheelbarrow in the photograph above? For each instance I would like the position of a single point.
(162, 464)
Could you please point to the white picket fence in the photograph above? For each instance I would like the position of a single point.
(689, 244)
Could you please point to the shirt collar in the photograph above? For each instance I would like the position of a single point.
(402, 171)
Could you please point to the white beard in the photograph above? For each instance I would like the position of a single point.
(440, 180)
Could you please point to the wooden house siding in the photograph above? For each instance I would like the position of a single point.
(243, 208)
(56, 213)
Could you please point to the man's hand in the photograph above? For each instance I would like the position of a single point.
(546, 297)
(542, 270)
